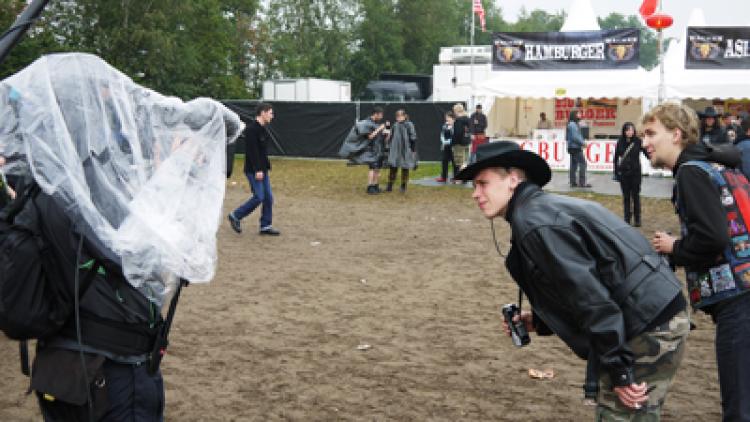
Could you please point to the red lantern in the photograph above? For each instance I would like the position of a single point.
(659, 21)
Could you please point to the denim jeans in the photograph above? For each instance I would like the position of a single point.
(261, 195)
(577, 161)
(732, 351)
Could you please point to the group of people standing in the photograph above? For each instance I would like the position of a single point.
(379, 144)
(460, 136)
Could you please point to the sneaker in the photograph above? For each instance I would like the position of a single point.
(574, 185)
(235, 223)
(440, 180)
(586, 185)
(372, 190)
(269, 231)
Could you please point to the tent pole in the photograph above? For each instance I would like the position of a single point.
(471, 105)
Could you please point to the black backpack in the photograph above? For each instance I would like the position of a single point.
(30, 304)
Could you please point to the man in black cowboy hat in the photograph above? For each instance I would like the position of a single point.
(590, 278)
(711, 131)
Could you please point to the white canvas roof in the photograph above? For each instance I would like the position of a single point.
(609, 83)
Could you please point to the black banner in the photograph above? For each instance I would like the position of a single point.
(606, 49)
(313, 129)
(718, 48)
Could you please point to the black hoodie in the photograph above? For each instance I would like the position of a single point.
(706, 220)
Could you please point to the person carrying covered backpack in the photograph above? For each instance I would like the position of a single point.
(105, 229)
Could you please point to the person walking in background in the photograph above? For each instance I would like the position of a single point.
(257, 168)
(590, 278)
(478, 128)
(575, 141)
(628, 172)
(446, 136)
(461, 136)
(543, 123)
(711, 200)
(403, 150)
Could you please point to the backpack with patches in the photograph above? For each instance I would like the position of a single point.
(730, 276)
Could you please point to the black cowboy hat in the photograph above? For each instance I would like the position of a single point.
(709, 112)
(507, 154)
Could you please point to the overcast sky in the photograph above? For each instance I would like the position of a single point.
(717, 12)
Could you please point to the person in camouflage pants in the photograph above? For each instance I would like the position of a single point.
(658, 354)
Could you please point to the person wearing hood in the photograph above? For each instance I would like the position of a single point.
(711, 131)
(627, 163)
(712, 203)
(575, 141)
(590, 278)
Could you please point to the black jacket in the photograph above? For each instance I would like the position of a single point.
(591, 278)
(706, 220)
(628, 165)
(117, 320)
(714, 136)
(460, 126)
(478, 123)
(256, 152)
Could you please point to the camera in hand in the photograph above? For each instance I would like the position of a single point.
(517, 328)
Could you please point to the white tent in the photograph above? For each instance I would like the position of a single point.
(681, 83)
(631, 83)
(611, 83)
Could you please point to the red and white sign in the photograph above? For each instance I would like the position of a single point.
(599, 153)
(597, 113)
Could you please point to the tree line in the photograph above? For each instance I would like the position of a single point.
(227, 48)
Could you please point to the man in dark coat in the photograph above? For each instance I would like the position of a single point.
(590, 278)
(257, 168)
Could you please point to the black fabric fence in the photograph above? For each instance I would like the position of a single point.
(312, 129)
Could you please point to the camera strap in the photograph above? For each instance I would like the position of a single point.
(520, 299)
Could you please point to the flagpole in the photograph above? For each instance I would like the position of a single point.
(471, 105)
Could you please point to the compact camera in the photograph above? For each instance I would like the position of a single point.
(517, 328)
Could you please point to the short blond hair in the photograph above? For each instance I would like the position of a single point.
(458, 109)
(676, 116)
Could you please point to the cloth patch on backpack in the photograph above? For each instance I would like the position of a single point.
(722, 278)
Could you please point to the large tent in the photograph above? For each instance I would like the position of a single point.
(613, 83)
(531, 92)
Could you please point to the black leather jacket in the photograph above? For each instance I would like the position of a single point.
(591, 278)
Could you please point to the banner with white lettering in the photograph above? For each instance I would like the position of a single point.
(718, 48)
(605, 49)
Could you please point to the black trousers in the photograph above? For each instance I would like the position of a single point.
(630, 185)
(448, 158)
(132, 395)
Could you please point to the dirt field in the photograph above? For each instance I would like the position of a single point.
(412, 279)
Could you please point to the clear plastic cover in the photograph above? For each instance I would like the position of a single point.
(142, 173)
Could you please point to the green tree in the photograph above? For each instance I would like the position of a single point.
(38, 39)
(379, 44)
(311, 38)
(649, 56)
(172, 46)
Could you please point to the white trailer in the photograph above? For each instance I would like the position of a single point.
(307, 89)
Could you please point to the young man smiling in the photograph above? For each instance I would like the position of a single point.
(591, 279)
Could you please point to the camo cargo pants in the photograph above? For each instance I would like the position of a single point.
(658, 354)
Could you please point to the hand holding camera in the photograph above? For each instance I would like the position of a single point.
(515, 324)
